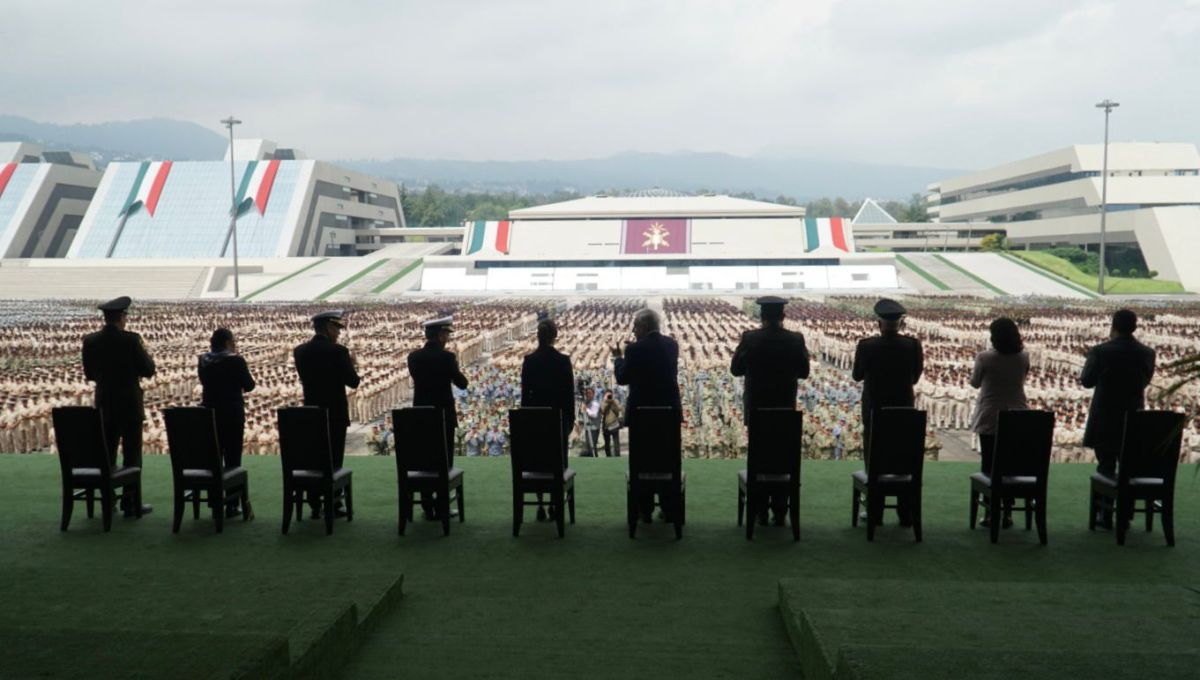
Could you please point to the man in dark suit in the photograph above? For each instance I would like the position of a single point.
(650, 367)
(888, 365)
(773, 360)
(548, 380)
(326, 369)
(225, 378)
(116, 360)
(1119, 370)
(434, 369)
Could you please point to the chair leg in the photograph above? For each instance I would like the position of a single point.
(855, 502)
(1040, 516)
(1028, 512)
(973, 513)
(1123, 517)
(752, 503)
(289, 505)
(518, 510)
(177, 516)
(630, 514)
(874, 512)
(195, 504)
(349, 501)
(1168, 520)
(741, 503)
(327, 509)
(571, 503)
(217, 502)
(443, 506)
(404, 502)
(246, 509)
(91, 500)
(106, 510)
(1092, 511)
(1149, 515)
(678, 513)
(68, 506)
(559, 517)
(996, 513)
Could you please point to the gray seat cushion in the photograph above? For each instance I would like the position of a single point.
(1010, 480)
(1147, 481)
(546, 476)
(861, 476)
(85, 472)
(1103, 479)
(744, 475)
(317, 474)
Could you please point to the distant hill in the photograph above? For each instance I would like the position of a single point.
(799, 178)
(133, 139)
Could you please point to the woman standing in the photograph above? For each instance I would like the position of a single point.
(999, 375)
(225, 377)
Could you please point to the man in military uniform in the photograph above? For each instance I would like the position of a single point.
(326, 369)
(116, 360)
(433, 369)
(773, 361)
(888, 365)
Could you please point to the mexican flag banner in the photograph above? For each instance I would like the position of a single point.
(255, 189)
(147, 187)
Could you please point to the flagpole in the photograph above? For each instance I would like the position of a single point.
(229, 123)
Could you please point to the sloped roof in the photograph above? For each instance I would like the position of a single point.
(872, 213)
(618, 207)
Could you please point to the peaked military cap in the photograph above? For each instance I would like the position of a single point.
(116, 304)
(543, 315)
(889, 310)
(334, 315)
(771, 300)
(441, 321)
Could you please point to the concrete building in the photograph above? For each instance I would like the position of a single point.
(1055, 198)
(658, 240)
(287, 206)
(875, 229)
(43, 198)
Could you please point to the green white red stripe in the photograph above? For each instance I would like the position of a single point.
(482, 234)
(255, 190)
(147, 187)
(826, 231)
(6, 174)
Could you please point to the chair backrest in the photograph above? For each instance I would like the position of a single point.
(420, 436)
(775, 442)
(79, 436)
(192, 440)
(1024, 441)
(536, 438)
(1150, 446)
(304, 440)
(654, 441)
(897, 442)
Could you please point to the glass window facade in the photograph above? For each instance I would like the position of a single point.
(10, 200)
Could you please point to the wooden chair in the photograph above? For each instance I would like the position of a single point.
(198, 469)
(87, 468)
(307, 459)
(1020, 470)
(539, 465)
(655, 466)
(772, 465)
(423, 463)
(894, 467)
(1145, 472)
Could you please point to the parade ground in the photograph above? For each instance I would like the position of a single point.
(366, 603)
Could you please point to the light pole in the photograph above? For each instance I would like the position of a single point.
(229, 123)
(1108, 105)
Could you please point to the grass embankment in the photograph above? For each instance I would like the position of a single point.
(1115, 285)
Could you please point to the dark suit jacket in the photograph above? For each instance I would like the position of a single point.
(224, 377)
(325, 372)
(889, 366)
(547, 380)
(116, 361)
(650, 368)
(1120, 370)
(433, 368)
(773, 359)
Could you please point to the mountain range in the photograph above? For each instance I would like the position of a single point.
(763, 175)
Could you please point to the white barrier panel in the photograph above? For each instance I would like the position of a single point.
(793, 278)
(520, 278)
(587, 278)
(862, 276)
(724, 278)
(653, 278)
(452, 278)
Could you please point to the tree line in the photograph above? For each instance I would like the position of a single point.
(436, 207)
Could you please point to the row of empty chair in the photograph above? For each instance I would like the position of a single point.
(541, 474)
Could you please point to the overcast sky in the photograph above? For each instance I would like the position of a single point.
(952, 84)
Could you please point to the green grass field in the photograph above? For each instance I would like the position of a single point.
(1115, 285)
(481, 604)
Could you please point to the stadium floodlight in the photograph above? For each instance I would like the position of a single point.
(1108, 105)
(229, 123)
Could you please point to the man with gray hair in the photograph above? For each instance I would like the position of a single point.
(650, 367)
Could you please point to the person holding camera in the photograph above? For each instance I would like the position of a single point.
(610, 417)
(589, 414)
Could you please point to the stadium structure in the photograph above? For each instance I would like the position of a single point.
(43, 198)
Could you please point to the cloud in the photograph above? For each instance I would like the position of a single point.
(960, 84)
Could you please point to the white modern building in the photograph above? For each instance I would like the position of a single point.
(875, 229)
(1055, 199)
(287, 206)
(658, 240)
(43, 198)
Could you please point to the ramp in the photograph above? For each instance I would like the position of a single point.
(954, 279)
(1012, 277)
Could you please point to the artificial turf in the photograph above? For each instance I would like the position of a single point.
(482, 604)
